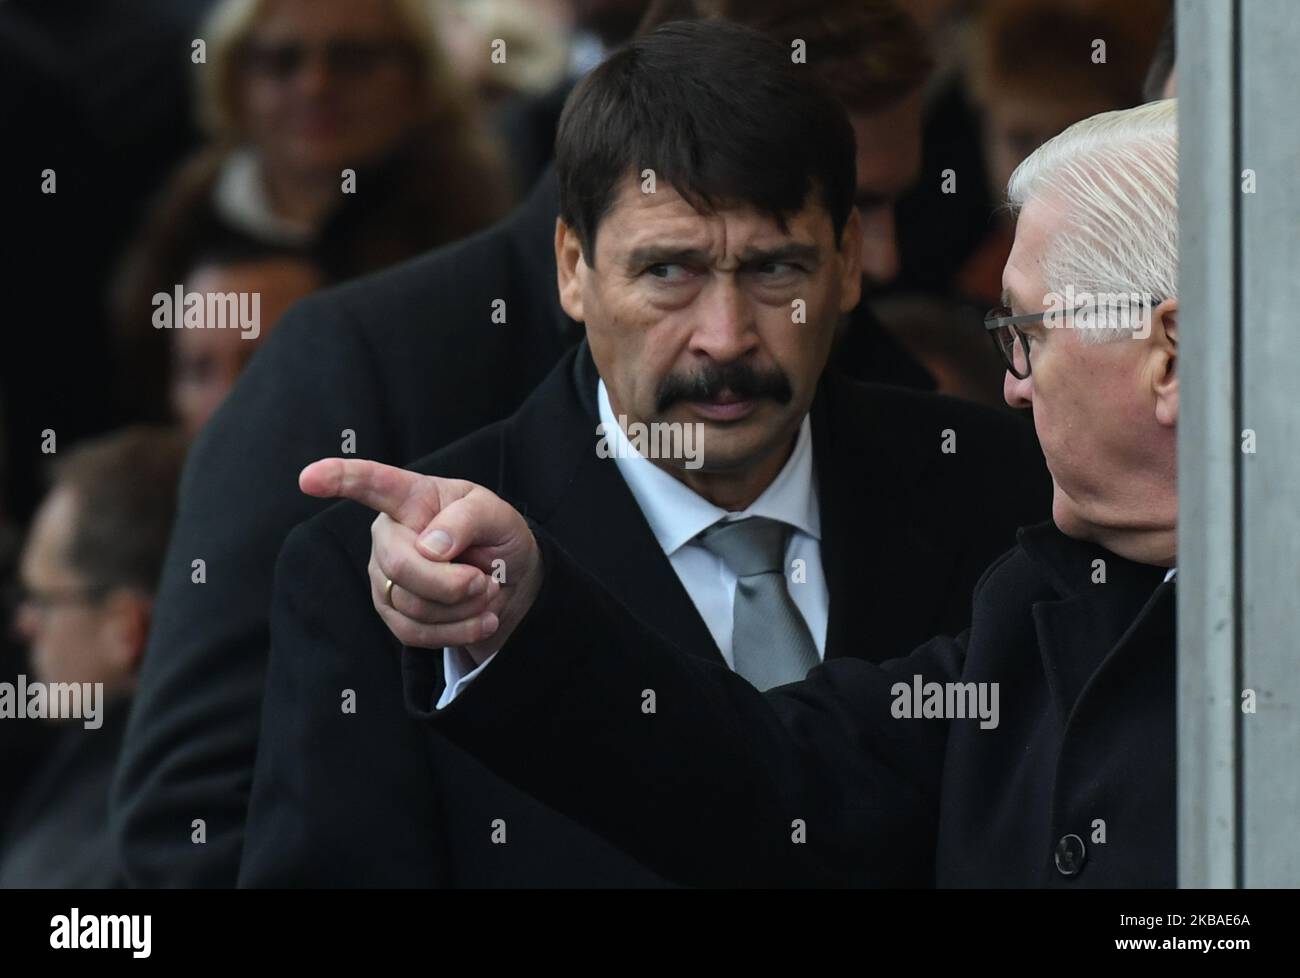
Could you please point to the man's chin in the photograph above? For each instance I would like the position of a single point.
(1071, 520)
(1068, 519)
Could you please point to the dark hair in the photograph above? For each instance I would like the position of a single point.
(125, 485)
(722, 113)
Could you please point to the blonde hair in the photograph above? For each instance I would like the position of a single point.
(231, 22)
(1116, 176)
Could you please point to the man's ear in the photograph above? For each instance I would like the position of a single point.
(850, 254)
(127, 615)
(1164, 376)
(568, 265)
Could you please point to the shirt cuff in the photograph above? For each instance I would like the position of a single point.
(458, 672)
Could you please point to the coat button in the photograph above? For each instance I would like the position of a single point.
(1069, 855)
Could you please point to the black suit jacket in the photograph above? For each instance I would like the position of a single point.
(407, 361)
(1073, 787)
(906, 530)
(59, 837)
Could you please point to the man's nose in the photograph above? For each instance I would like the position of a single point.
(1016, 392)
(725, 330)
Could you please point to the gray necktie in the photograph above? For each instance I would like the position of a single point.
(770, 641)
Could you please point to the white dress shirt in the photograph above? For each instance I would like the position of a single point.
(677, 515)
(239, 196)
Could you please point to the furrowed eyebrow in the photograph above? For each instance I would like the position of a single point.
(795, 251)
(659, 255)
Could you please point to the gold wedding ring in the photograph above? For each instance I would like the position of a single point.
(388, 593)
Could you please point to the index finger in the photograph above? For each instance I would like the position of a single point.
(383, 488)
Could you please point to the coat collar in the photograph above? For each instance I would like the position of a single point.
(551, 471)
(871, 534)
(1068, 564)
(1086, 620)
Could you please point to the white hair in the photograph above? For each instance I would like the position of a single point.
(1116, 177)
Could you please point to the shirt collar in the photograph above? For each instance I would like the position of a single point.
(240, 197)
(677, 514)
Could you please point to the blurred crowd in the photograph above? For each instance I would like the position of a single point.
(165, 149)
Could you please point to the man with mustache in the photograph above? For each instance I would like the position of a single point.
(486, 311)
(782, 515)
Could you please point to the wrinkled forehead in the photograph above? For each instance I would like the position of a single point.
(639, 220)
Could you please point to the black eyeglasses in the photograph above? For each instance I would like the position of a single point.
(1011, 341)
(343, 58)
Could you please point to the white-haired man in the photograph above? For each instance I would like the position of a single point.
(1034, 749)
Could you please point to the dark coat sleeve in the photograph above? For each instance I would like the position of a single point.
(189, 749)
(328, 808)
(718, 783)
(372, 797)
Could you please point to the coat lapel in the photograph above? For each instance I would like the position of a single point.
(583, 502)
(1090, 620)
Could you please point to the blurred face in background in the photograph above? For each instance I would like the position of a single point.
(1036, 67)
(328, 84)
(1015, 123)
(74, 632)
(888, 161)
(207, 362)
